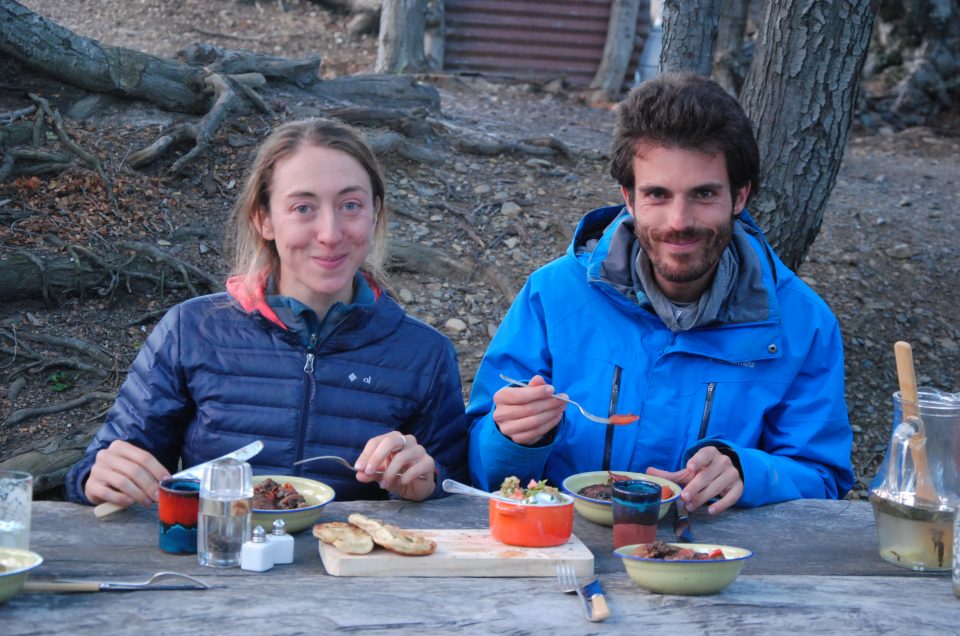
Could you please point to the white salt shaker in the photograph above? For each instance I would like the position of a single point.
(256, 555)
(281, 543)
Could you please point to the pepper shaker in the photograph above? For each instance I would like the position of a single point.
(226, 503)
(256, 554)
(281, 543)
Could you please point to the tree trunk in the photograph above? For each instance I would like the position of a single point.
(726, 56)
(689, 30)
(58, 52)
(801, 91)
(402, 27)
(621, 41)
(435, 34)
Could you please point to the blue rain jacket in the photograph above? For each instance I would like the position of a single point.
(765, 382)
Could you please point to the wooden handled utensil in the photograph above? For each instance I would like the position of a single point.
(911, 412)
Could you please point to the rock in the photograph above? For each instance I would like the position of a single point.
(483, 188)
(455, 325)
(512, 242)
(537, 163)
(948, 345)
(406, 295)
(899, 251)
(509, 208)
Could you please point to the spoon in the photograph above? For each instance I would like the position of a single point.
(454, 486)
(903, 353)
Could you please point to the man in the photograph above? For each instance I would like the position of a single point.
(674, 308)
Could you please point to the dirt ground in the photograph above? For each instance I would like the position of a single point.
(887, 259)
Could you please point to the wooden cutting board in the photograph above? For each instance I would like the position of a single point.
(461, 553)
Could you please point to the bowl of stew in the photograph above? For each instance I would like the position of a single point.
(591, 493)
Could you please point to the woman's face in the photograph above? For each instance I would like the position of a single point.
(322, 215)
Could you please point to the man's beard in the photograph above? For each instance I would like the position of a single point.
(685, 268)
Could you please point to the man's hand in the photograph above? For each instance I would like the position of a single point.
(527, 413)
(708, 474)
(124, 474)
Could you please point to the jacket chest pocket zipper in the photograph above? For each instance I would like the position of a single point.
(707, 405)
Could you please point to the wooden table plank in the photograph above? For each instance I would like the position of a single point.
(816, 569)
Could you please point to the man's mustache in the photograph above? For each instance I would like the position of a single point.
(682, 236)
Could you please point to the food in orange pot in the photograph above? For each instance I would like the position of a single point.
(540, 517)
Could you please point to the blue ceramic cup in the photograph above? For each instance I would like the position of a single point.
(636, 510)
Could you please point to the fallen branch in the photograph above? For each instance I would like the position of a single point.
(78, 150)
(87, 348)
(21, 415)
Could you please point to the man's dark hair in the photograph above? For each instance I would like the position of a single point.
(684, 110)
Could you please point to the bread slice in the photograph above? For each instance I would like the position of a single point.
(393, 538)
(344, 537)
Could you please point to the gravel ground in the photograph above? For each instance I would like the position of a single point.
(887, 259)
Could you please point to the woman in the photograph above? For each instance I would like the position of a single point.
(304, 351)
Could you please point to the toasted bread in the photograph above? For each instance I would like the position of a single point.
(394, 538)
(344, 536)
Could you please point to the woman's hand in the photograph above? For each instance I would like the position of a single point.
(402, 461)
(124, 474)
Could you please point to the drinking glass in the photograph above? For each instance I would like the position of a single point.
(636, 510)
(16, 494)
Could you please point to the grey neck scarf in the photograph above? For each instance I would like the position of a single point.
(684, 316)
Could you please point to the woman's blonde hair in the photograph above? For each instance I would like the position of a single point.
(255, 258)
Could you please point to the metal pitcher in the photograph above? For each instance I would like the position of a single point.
(918, 484)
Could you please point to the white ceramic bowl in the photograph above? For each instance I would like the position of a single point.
(685, 577)
(16, 564)
(317, 494)
(601, 511)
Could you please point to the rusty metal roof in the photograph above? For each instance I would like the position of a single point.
(529, 39)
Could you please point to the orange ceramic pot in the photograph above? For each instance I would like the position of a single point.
(531, 525)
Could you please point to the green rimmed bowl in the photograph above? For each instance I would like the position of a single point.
(601, 511)
(684, 577)
(317, 494)
(16, 564)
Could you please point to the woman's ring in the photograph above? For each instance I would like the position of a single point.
(403, 442)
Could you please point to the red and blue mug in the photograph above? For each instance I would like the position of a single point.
(178, 508)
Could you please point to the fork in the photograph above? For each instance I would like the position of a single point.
(616, 420)
(344, 463)
(596, 608)
(183, 582)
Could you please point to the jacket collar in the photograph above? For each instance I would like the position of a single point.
(251, 296)
(604, 243)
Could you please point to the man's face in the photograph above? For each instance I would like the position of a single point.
(684, 212)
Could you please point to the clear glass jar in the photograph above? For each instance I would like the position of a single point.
(956, 551)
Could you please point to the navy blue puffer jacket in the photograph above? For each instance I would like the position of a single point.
(213, 377)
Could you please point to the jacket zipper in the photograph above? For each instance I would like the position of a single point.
(614, 395)
(308, 394)
(705, 420)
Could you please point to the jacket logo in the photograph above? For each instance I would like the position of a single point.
(352, 377)
(367, 380)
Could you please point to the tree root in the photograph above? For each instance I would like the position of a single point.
(21, 415)
(76, 148)
(227, 90)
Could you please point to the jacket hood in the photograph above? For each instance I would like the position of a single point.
(605, 244)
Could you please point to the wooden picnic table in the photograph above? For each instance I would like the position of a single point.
(815, 569)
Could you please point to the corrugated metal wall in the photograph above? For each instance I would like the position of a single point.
(530, 39)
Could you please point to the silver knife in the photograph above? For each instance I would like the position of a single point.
(194, 472)
(681, 522)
